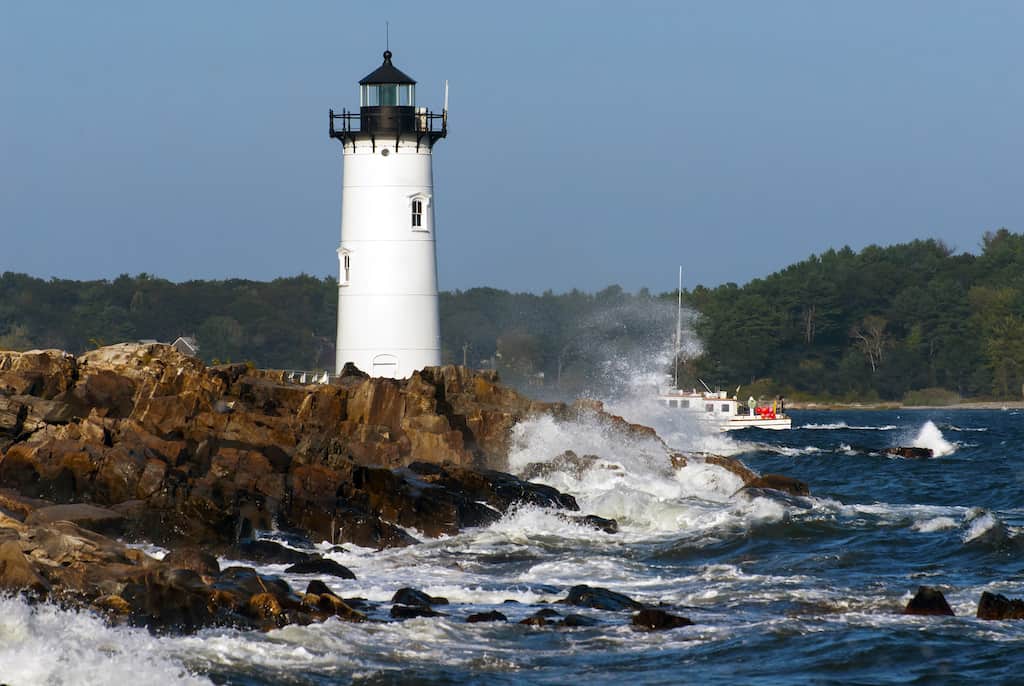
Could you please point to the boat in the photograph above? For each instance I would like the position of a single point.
(716, 407)
(725, 413)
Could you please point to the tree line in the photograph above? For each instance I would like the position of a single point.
(913, 321)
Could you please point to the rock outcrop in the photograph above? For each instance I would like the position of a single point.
(66, 563)
(177, 453)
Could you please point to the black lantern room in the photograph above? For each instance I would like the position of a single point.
(387, 110)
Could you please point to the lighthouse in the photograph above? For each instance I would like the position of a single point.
(388, 322)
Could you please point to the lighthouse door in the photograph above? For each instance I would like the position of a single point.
(385, 366)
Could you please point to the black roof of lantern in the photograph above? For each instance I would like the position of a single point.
(386, 73)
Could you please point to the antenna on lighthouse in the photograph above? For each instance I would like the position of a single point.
(679, 327)
(444, 111)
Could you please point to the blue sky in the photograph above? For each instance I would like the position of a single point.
(589, 143)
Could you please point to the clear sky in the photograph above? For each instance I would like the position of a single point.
(589, 143)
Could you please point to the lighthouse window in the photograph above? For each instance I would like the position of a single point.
(417, 213)
(389, 94)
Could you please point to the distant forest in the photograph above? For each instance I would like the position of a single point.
(911, 322)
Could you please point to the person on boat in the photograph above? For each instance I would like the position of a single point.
(751, 404)
(782, 405)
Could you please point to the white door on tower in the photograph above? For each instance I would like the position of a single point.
(385, 366)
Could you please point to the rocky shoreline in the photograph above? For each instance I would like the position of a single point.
(138, 443)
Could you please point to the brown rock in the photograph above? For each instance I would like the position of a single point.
(264, 606)
(996, 606)
(733, 465)
(42, 373)
(779, 482)
(91, 517)
(112, 605)
(194, 559)
(910, 452)
(17, 573)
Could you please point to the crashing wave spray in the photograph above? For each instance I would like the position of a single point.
(930, 437)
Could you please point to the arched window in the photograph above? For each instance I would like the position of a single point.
(417, 213)
(345, 257)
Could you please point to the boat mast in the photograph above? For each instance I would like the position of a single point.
(679, 328)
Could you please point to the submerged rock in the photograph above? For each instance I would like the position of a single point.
(411, 596)
(609, 526)
(575, 621)
(910, 452)
(321, 566)
(268, 552)
(492, 616)
(779, 482)
(928, 601)
(599, 599)
(653, 619)
(411, 611)
(996, 606)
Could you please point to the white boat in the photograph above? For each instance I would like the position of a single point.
(726, 414)
(716, 407)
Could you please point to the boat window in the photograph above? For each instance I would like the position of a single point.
(673, 403)
(684, 403)
(710, 407)
(725, 407)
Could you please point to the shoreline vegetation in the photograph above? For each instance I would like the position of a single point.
(913, 324)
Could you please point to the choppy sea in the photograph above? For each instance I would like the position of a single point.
(781, 590)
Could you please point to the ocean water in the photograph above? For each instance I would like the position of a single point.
(781, 590)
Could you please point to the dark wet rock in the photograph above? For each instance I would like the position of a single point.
(609, 526)
(249, 581)
(267, 552)
(910, 452)
(411, 611)
(599, 599)
(321, 566)
(195, 559)
(492, 616)
(332, 605)
(575, 621)
(928, 601)
(658, 620)
(411, 596)
(535, 620)
(361, 604)
(547, 612)
(779, 482)
(318, 587)
(996, 606)
(733, 465)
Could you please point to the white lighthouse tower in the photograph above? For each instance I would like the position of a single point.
(388, 323)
